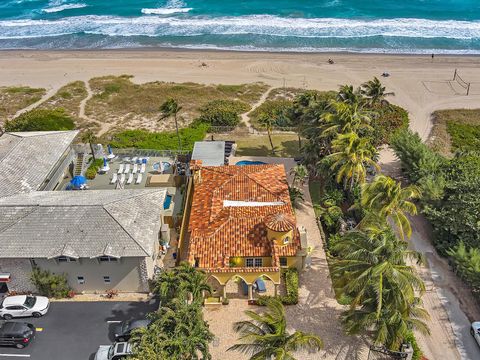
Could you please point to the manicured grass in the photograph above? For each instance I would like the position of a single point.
(118, 99)
(448, 132)
(15, 98)
(68, 97)
(258, 145)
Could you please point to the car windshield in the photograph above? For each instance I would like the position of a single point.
(30, 301)
(126, 326)
(111, 351)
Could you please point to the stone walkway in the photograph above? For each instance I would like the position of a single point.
(317, 312)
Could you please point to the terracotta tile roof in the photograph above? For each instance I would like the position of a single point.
(279, 222)
(219, 230)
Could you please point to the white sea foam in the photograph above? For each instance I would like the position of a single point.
(257, 25)
(165, 11)
(59, 8)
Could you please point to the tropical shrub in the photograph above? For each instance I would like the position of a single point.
(410, 339)
(92, 170)
(464, 136)
(389, 119)
(466, 263)
(279, 110)
(49, 284)
(290, 276)
(41, 120)
(223, 112)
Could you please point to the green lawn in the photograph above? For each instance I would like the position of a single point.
(286, 145)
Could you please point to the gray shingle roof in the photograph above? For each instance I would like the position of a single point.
(26, 158)
(80, 223)
(212, 153)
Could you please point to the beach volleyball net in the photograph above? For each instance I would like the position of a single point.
(464, 84)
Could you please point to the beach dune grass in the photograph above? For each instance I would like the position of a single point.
(68, 98)
(455, 129)
(15, 98)
(117, 99)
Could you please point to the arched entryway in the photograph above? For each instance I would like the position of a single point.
(236, 288)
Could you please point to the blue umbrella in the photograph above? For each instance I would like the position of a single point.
(78, 181)
(109, 149)
(104, 162)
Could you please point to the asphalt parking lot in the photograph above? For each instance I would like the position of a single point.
(74, 330)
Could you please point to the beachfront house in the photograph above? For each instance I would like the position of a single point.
(240, 227)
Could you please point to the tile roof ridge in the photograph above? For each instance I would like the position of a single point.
(33, 209)
(123, 228)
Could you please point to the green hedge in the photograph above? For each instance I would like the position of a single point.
(389, 119)
(290, 277)
(93, 169)
(143, 139)
(464, 136)
(41, 120)
(276, 109)
(222, 112)
(417, 352)
(49, 284)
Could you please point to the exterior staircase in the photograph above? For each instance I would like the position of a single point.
(79, 164)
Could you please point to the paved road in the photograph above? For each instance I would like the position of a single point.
(74, 330)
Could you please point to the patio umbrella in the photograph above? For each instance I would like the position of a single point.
(110, 152)
(78, 181)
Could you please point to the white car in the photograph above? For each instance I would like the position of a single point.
(475, 331)
(23, 305)
(117, 351)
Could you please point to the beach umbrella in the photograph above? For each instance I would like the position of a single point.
(104, 162)
(109, 147)
(78, 181)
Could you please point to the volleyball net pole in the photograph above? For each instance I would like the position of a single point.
(460, 81)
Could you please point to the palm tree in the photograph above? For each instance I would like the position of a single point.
(195, 284)
(265, 336)
(300, 174)
(166, 285)
(372, 272)
(351, 155)
(375, 91)
(344, 117)
(386, 197)
(90, 138)
(268, 122)
(170, 108)
(347, 94)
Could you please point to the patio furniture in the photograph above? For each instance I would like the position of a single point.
(134, 159)
(120, 169)
(114, 178)
(261, 288)
(142, 168)
(126, 159)
(130, 178)
(127, 169)
(135, 168)
(122, 179)
(139, 179)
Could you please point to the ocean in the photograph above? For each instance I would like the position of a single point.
(378, 26)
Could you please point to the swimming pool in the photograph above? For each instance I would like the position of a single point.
(167, 202)
(249, 162)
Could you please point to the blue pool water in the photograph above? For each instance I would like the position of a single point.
(167, 202)
(421, 26)
(248, 162)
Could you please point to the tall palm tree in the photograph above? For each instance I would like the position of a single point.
(90, 138)
(268, 122)
(351, 155)
(265, 336)
(344, 117)
(170, 108)
(387, 197)
(195, 284)
(373, 273)
(347, 94)
(375, 91)
(166, 285)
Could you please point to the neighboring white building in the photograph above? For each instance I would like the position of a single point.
(101, 239)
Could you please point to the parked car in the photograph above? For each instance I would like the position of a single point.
(123, 331)
(24, 305)
(475, 331)
(117, 351)
(18, 334)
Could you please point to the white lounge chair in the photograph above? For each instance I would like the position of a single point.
(130, 178)
(139, 179)
(114, 178)
(120, 169)
(135, 168)
(126, 159)
(142, 169)
(134, 159)
(127, 169)
(122, 179)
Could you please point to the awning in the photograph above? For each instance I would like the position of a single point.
(4, 277)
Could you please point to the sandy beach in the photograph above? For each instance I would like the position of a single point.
(421, 85)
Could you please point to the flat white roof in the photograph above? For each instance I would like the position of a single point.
(212, 153)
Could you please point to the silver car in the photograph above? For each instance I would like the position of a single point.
(115, 351)
(24, 306)
(475, 331)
